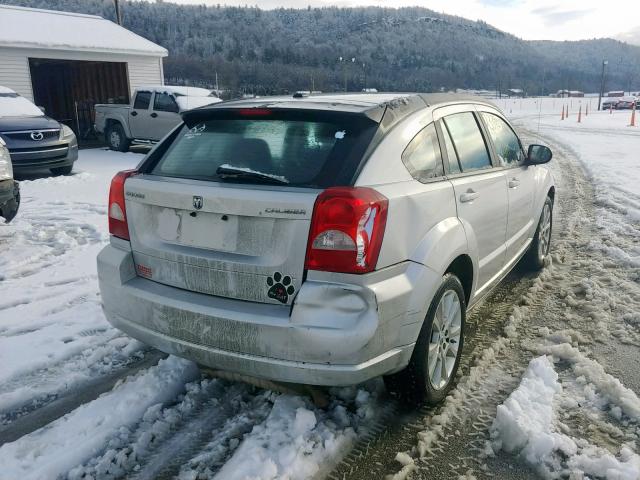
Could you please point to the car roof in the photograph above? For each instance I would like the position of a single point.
(370, 104)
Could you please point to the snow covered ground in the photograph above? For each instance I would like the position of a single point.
(56, 346)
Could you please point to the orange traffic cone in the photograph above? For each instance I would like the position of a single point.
(633, 116)
(580, 114)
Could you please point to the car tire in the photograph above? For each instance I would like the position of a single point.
(434, 362)
(62, 170)
(538, 251)
(116, 138)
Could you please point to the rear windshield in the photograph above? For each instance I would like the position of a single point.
(292, 151)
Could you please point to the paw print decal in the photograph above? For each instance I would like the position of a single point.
(280, 287)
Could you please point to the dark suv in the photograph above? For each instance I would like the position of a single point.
(34, 140)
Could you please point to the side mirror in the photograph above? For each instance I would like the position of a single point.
(538, 154)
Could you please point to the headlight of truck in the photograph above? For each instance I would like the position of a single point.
(66, 133)
(6, 168)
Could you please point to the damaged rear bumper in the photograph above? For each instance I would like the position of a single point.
(9, 199)
(334, 334)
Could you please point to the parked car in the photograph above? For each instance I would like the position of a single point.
(325, 240)
(608, 103)
(626, 103)
(34, 140)
(153, 112)
(9, 189)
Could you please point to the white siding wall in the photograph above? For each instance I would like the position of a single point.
(14, 66)
(14, 72)
(144, 71)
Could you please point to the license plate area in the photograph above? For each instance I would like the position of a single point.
(212, 231)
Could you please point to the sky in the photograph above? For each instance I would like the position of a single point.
(528, 19)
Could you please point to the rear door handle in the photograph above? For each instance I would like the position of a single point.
(469, 196)
(513, 183)
(154, 115)
(134, 113)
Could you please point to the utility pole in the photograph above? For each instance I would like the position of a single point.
(364, 75)
(118, 13)
(604, 64)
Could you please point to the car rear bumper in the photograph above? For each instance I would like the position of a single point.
(334, 334)
(9, 199)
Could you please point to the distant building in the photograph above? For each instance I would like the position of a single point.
(615, 93)
(68, 62)
(576, 93)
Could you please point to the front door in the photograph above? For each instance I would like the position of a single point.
(164, 116)
(520, 183)
(480, 190)
(139, 114)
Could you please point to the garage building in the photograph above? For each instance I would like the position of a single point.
(68, 62)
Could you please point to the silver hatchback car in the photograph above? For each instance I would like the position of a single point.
(324, 240)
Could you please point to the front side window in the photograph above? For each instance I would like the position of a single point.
(506, 142)
(142, 100)
(422, 156)
(468, 141)
(163, 102)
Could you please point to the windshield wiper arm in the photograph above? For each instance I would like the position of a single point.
(229, 171)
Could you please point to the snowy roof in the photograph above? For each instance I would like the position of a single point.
(189, 91)
(34, 28)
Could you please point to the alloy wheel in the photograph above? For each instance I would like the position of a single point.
(444, 342)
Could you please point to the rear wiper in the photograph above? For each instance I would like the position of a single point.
(241, 173)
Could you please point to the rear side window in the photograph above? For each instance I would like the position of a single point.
(468, 141)
(142, 100)
(422, 156)
(163, 102)
(297, 152)
(505, 141)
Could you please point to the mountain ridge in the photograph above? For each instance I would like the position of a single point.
(411, 48)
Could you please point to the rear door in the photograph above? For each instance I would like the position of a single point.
(520, 182)
(164, 116)
(480, 190)
(242, 238)
(139, 114)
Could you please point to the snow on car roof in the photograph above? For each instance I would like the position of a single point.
(35, 28)
(188, 91)
(5, 90)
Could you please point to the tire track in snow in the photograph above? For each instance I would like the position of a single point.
(39, 412)
(71, 440)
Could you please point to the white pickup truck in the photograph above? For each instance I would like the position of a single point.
(153, 113)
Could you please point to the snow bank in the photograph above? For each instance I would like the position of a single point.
(524, 422)
(527, 424)
(292, 443)
(71, 440)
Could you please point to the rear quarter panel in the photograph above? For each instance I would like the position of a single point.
(422, 223)
(118, 113)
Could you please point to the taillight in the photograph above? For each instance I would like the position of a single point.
(346, 230)
(117, 212)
